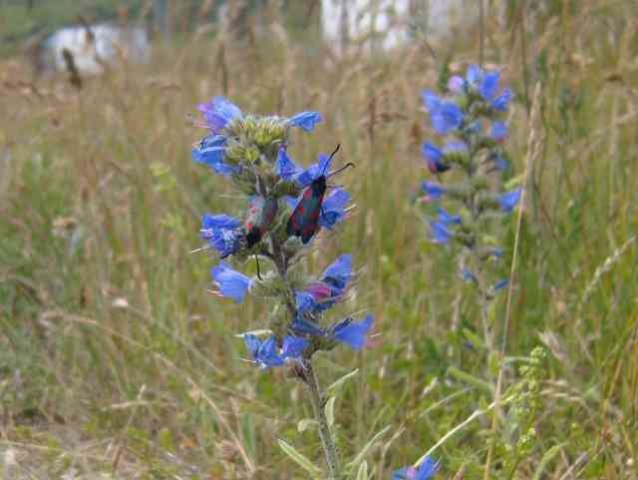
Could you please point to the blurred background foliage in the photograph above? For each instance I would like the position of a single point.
(113, 357)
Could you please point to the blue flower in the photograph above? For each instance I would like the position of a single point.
(489, 85)
(509, 200)
(468, 276)
(263, 352)
(434, 158)
(456, 84)
(339, 272)
(498, 131)
(285, 167)
(320, 296)
(293, 347)
(501, 102)
(333, 208)
(500, 285)
(211, 151)
(440, 233)
(231, 283)
(499, 161)
(314, 171)
(486, 84)
(302, 326)
(222, 232)
(305, 120)
(304, 302)
(352, 333)
(445, 115)
(433, 191)
(425, 471)
(218, 113)
(448, 219)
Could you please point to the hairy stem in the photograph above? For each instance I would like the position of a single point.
(317, 396)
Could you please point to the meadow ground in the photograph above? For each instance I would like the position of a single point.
(115, 362)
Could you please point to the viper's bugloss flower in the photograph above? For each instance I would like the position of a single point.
(448, 219)
(501, 102)
(433, 191)
(486, 84)
(333, 209)
(445, 115)
(468, 276)
(305, 120)
(352, 333)
(285, 167)
(509, 200)
(434, 158)
(500, 285)
(263, 352)
(339, 273)
(288, 170)
(498, 131)
(230, 283)
(440, 233)
(456, 84)
(425, 471)
(498, 161)
(222, 232)
(211, 151)
(293, 347)
(218, 113)
(323, 294)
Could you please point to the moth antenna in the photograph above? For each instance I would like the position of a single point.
(334, 152)
(347, 165)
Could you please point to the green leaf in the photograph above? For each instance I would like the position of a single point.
(547, 457)
(301, 460)
(362, 474)
(330, 411)
(472, 380)
(366, 449)
(305, 424)
(332, 389)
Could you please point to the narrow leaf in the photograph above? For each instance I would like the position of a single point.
(305, 424)
(330, 411)
(547, 457)
(301, 460)
(332, 389)
(362, 474)
(366, 449)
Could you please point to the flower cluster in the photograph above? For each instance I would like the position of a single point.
(283, 207)
(470, 120)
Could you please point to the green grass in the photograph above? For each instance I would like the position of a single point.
(115, 359)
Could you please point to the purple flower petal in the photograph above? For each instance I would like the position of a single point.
(218, 113)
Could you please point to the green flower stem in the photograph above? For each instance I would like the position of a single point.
(318, 400)
(317, 396)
